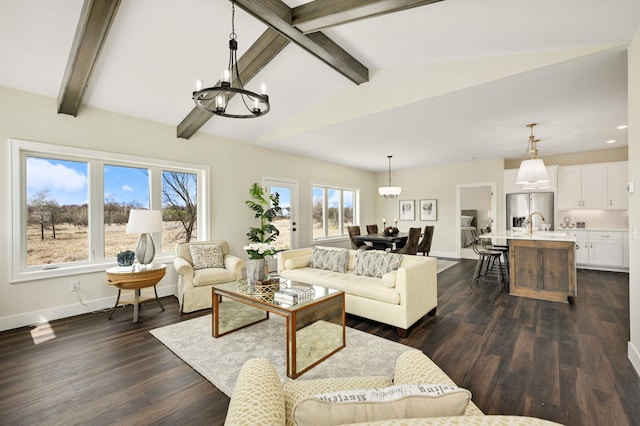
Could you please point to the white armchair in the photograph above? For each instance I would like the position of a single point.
(194, 285)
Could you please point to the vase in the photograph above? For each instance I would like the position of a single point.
(255, 271)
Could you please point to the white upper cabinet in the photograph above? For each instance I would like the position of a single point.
(593, 186)
(617, 185)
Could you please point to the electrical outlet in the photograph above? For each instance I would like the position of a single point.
(75, 285)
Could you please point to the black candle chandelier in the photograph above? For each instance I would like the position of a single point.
(216, 99)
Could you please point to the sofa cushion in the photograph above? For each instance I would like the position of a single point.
(298, 262)
(403, 401)
(331, 260)
(207, 256)
(376, 263)
(209, 276)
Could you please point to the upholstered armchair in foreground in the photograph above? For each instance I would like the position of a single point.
(200, 265)
(259, 398)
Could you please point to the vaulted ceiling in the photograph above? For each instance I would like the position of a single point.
(350, 81)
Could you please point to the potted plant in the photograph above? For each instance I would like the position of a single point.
(265, 209)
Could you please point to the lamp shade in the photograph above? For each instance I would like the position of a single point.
(532, 171)
(389, 191)
(144, 221)
(536, 185)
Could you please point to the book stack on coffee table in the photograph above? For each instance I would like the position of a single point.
(294, 294)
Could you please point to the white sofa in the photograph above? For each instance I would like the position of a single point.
(194, 286)
(259, 398)
(399, 298)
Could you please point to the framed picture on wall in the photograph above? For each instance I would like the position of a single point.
(429, 209)
(407, 210)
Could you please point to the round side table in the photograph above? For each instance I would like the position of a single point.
(127, 278)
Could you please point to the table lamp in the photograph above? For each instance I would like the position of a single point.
(144, 222)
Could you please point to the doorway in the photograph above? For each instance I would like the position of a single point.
(288, 219)
(478, 202)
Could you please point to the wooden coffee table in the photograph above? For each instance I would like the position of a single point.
(315, 329)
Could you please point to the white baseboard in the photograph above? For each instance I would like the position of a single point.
(446, 254)
(58, 312)
(634, 357)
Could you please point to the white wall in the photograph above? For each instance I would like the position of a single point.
(439, 182)
(234, 167)
(634, 200)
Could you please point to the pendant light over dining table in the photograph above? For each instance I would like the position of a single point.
(389, 191)
(216, 99)
(532, 173)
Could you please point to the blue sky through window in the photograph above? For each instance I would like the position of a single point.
(127, 185)
(68, 182)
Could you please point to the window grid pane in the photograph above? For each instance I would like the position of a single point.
(57, 211)
(333, 211)
(317, 219)
(125, 188)
(73, 205)
(179, 209)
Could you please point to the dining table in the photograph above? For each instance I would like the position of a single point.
(381, 241)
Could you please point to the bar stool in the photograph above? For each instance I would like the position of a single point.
(489, 265)
(505, 255)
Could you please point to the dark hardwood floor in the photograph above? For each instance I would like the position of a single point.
(566, 363)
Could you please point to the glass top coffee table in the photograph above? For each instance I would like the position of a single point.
(315, 329)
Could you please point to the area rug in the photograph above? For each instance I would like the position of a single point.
(219, 360)
(445, 264)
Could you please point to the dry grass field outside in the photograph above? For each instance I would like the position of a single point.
(72, 244)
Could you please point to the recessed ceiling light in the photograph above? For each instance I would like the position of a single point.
(622, 126)
(610, 141)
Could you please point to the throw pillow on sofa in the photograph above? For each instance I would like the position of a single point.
(331, 260)
(403, 401)
(374, 263)
(207, 256)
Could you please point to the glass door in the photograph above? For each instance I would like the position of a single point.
(287, 221)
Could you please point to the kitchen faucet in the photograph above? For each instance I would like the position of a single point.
(531, 221)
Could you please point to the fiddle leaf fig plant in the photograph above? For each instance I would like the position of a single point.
(265, 208)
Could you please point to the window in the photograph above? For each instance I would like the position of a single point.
(334, 209)
(71, 210)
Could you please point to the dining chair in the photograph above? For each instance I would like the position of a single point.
(372, 229)
(353, 232)
(425, 244)
(411, 247)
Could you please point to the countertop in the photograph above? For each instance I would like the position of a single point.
(537, 235)
(574, 229)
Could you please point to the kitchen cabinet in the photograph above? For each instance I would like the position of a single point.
(602, 249)
(593, 186)
(606, 249)
(542, 269)
(617, 174)
(582, 187)
(582, 247)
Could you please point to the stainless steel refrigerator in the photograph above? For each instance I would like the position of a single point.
(520, 206)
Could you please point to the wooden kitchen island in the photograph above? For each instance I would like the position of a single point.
(541, 265)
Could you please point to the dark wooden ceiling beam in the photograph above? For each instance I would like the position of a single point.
(320, 14)
(278, 16)
(268, 45)
(93, 26)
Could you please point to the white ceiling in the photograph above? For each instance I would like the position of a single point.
(156, 49)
